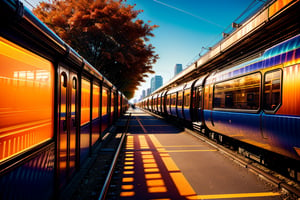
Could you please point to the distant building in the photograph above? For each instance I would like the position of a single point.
(156, 82)
(143, 94)
(177, 69)
(148, 91)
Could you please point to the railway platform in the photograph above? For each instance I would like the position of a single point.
(164, 162)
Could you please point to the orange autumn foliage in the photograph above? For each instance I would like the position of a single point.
(107, 34)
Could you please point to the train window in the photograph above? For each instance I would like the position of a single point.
(187, 98)
(239, 93)
(197, 98)
(64, 80)
(74, 83)
(85, 101)
(95, 113)
(173, 99)
(104, 102)
(96, 100)
(272, 90)
(159, 101)
(179, 101)
(168, 100)
(27, 99)
(112, 104)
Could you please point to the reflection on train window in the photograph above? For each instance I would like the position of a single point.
(85, 101)
(74, 83)
(173, 99)
(112, 104)
(179, 101)
(104, 101)
(168, 100)
(187, 97)
(64, 80)
(27, 101)
(272, 90)
(239, 93)
(197, 97)
(96, 101)
(159, 101)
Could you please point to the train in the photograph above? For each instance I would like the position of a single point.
(55, 107)
(255, 103)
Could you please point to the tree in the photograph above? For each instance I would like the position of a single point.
(107, 34)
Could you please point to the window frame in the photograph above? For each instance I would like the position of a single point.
(187, 98)
(263, 92)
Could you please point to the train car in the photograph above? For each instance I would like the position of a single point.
(257, 103)
(254, 102)
(54, 107)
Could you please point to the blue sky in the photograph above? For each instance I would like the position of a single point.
(185, 26)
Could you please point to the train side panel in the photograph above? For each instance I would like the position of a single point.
(282, 127)
(257, 103)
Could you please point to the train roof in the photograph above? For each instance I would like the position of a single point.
(286, 46)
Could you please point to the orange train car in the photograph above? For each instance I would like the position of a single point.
(54, 107)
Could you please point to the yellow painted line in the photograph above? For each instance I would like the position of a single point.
(129, 159)
(149, 161)
(153, 176)
(151, 170)
(127, 194)
(159, 189)
(128, 167)
(146, 152)
(240, 195)
(158, 182)
(128, 163)
(143, 142)
(128, 172)
(150, 165)
(127, 180)
(127, 187)
(183, 186)
(147, 157)
(193, 150)
(155, 141)
(170, 164)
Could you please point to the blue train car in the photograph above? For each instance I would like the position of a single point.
(257, 103)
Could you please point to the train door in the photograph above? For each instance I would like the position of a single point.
(68, 117)
(272, 95)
